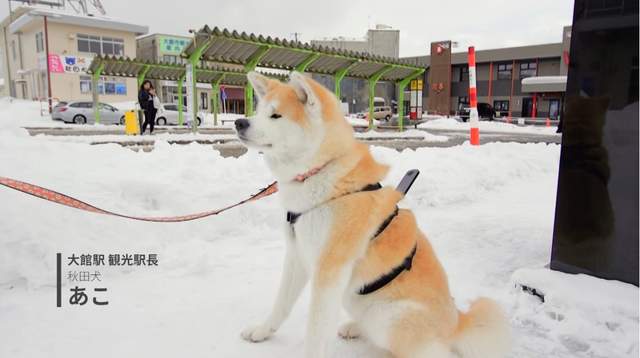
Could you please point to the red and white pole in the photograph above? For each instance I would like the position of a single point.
(473, 99)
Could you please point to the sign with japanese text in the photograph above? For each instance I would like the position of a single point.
(69, 64)
(172, 45)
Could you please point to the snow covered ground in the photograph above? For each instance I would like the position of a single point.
(487, 210)
(436, 122)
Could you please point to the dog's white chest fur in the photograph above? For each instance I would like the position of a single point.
(313, 228)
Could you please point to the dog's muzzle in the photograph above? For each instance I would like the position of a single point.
(242, 125)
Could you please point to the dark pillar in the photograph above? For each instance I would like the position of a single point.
(596, 222)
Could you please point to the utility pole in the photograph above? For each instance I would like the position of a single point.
(295, 36)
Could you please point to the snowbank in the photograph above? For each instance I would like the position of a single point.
(451, 123)
(410, 134)
(487, 210)
(579, 312)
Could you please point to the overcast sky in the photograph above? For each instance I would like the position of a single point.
(485, 24)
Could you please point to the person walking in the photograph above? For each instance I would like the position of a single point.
(147, 99)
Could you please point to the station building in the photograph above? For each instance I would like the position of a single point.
(524, 81)
(30, 35)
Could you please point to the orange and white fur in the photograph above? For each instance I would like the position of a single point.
(300, 129)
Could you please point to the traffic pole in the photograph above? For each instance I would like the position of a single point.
(473, 99)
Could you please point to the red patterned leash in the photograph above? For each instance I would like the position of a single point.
(66, 200)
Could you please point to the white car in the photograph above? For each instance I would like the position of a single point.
(81, 112)
(168, 115)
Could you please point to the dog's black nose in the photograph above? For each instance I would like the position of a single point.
(242, 124)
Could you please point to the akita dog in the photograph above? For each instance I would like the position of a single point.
(346, 235)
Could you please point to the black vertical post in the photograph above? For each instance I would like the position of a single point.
(596, 221)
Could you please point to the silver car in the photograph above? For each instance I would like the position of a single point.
(81, 112)
(168, 115)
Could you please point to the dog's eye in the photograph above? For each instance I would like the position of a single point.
(275, 116)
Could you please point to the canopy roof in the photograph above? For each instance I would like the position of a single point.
(127, 67)
(544, 84)
(241, 48)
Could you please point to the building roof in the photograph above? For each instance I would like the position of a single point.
(127, 67)
(222, 45)
(65, 17)
(550, 50)
(158, 34)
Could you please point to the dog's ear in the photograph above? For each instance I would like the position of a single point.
(259, 83)
(301, 85)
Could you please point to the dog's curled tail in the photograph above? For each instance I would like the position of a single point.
(483, 331)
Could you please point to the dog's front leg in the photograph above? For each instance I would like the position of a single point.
(328, 288)
(293, 280)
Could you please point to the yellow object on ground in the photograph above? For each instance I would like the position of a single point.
(131, 126)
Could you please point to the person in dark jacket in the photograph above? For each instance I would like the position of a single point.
(145, 98)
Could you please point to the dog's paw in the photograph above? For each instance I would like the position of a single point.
(349, 331)
(257, 333)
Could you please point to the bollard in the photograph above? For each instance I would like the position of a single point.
(131, 126)
(474, 135)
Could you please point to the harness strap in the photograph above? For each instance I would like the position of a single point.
(293, 217)
(386, 223)
(390, 276)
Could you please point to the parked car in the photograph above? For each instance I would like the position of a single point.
(81, 112)
(382, 112)
(485, 111)
(168, 115)
(379, 112)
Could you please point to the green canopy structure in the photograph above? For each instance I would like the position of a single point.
(141, 70)
(235, 54)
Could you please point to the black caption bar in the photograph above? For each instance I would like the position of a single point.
(59, 279)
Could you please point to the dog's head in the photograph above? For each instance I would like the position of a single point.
(299, 123)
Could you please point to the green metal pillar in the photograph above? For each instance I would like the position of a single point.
(248, 90)
(401, 85)
(372, 89)
(180, 100)
(215, 99)
(95, 79)
(194, 59)
(302, 66)
(194, 121)
(338, 79)
(143, 74)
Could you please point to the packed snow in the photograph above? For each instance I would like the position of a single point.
(487, 210)
(452, 123)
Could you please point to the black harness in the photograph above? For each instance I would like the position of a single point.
(385, 279)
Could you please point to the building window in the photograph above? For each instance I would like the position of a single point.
(100, 45)
(464, 74)
(39, 42)
(501, 106)
(112, 46)
(173, 59)
(528, 69)
(504, 71)
(204, 100)
(106, 85)
(85, 84)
